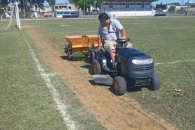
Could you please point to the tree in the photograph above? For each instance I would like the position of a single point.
(3, 4)
(85, 4)
(23, 5)
(36, 3)
(171, 9)
(51, 2)
(96, 3)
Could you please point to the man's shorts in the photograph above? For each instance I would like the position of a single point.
(112, 45)
(108, 46)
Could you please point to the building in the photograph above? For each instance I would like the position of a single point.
(65, 10)
(190, 3)
(119, 8)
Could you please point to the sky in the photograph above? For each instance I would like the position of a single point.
(182, 2)
(61, 1)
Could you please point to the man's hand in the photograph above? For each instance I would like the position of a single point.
(99, 48)
(123, 34)
(123, 37)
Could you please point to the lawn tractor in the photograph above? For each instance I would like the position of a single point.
(134, 68)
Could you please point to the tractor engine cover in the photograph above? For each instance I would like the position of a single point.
(135, 64)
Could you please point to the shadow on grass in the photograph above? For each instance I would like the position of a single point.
(74, 58)
(130, 87)
(89, 67)
(85, 59)
(102, 85)
(134, 88)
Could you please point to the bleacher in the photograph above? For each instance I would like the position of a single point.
(119, 8)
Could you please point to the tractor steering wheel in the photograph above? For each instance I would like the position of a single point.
(122, 42)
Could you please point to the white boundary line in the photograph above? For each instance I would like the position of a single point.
(60, 105)
(174, 62)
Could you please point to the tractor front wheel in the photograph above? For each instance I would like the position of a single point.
(119, 85)
(155, 82)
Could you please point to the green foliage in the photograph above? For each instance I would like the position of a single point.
(176, 4)
(3, 4)
(51, 2)
(96, 3)
(36, 3)
(84, 4)
(171, 9)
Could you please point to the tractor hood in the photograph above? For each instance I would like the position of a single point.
(133, 54)
(135, 63)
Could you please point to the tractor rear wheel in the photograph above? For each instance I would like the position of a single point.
(91, 56)
(96, 67)
(69, 54)
(119, 85)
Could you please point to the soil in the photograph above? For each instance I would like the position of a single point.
(111, 111)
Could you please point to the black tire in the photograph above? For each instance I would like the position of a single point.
(66, 50)
(119, 85)
(155, 82)
(96, 67)
(91, 56)
(69, 55)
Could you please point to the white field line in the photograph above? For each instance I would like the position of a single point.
(60, 105)
(174, 62)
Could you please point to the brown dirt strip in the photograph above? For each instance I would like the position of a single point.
(113, 112)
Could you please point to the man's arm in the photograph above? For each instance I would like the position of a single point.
(123, 34)
(99, 42)
(120, 27)
(99, 38)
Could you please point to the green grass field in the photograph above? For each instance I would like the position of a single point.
(166, 39)
(25, 101)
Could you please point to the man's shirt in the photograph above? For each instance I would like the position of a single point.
(111, 33)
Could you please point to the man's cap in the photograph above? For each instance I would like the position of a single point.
(103, 16)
